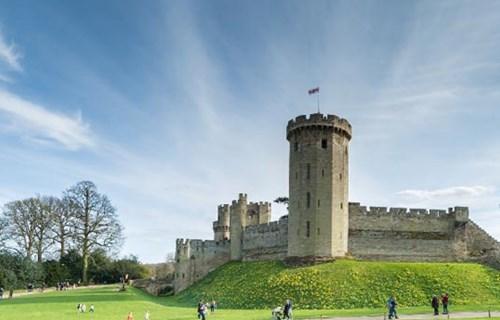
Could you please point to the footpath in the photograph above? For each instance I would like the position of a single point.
(430, 316)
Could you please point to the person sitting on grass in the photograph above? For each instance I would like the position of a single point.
(146, 315)
(92, 308)
(277, 313)
(130, 316)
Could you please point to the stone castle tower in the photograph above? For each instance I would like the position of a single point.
(318, 221)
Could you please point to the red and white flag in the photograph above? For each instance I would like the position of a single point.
(313, 91)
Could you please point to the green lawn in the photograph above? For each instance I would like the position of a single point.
(111, 304)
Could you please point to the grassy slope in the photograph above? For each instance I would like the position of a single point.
(111, 304)
(346, 284)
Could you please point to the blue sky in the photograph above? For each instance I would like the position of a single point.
(172, 107)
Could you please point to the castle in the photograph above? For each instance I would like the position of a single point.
(322, 225)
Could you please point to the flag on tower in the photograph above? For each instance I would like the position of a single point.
(313, 91)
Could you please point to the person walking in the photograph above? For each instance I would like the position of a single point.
(202, 310)
(146, 315)
(444, 302)
(287, 310)
(392, 305)
(1, 293)
(212, 306)
(435, 305)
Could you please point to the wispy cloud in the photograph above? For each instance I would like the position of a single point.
(9, 54)
(39, 123)
(451, 192)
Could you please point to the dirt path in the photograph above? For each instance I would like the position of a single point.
(456, 315)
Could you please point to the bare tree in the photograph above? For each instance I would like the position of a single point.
(95, 224)
(62, 227)
(19, 215)
(3, 232)
(42, 213)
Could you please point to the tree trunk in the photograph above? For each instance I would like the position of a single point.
(85, 266)
(62, 240)
(39, 254)
(61, 252)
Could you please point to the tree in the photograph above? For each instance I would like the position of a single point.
(282, 200)
(95, 221)
(63, 215)
(43, 209)
(3, 232)
(21, 221)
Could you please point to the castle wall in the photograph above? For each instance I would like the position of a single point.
(196, 258)
(402, 234)
(266, 241)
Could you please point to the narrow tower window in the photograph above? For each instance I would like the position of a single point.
(324, 143)
(341, 206)
(308, 200)
(322, 172)
(308, 172)
(296, 175)
(340, 176)
(308, 229)
(318, 231)
(318, 203)
(296, 146)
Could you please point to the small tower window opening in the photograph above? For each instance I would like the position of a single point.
(296, 146)
(296, 175)
(308, 200)
(308, 229)
(319, 203)
(341, 206)
(340, 176)
(308, 171)
(318, 231)
(324, 143)
(322, 172)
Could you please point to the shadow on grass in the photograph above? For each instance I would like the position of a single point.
(74, 296)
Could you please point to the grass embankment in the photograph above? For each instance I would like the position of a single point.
(345, 284)
(113, 305)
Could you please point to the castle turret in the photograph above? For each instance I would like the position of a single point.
(318, 186)
(221, 226)
(238, 221)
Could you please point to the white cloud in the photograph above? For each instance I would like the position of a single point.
(451, 192)
(9, 54)
(40, 124)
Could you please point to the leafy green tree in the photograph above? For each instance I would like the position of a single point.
(72, 261)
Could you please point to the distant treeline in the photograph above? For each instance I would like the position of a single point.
(46, 240)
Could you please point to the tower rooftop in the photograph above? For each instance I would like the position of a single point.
(319, 120)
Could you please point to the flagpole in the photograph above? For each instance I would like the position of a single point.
(318, 102)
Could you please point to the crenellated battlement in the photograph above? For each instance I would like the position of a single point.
(342, 126)
(272, 226)
(459, 213)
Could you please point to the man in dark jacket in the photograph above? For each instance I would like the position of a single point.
(287, 310)
(435, 305)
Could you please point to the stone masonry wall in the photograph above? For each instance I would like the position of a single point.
(266, 241)
(196, 258)
(402, 234)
